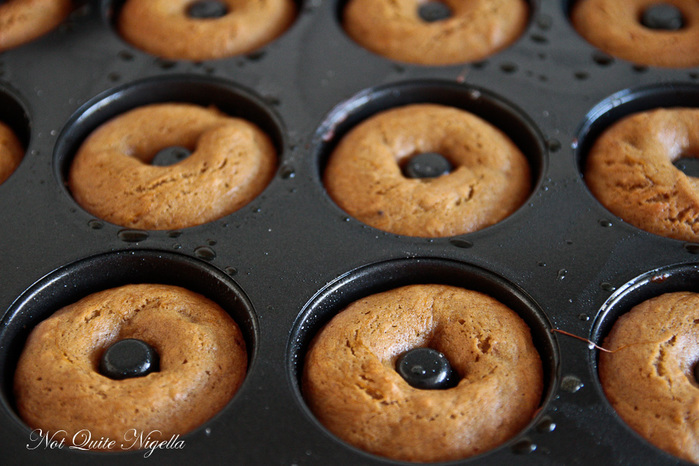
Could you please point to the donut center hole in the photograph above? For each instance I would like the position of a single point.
(432, 11)
(170, 156)
(207, 9)
(663, 17)
(688, 165)
(129, 358)
(426, 165)
(426, 369)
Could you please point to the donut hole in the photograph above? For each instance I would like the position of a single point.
(688, 165)
(427, 368)
(662, 17)
(207, 9)
(170, 156)
(432, 11)
(425, 165)
(73, 282)
(128, 358)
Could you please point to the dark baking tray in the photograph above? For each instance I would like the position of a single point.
(284, 264)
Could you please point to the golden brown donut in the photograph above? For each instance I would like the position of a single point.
(630, 171)
(351, 385)
(202, 353)
(649, 378)
(11, 152)
(476, 29)
(231, 163)
(163, 27)
(22, 21)
(490, 181)
(614, 27)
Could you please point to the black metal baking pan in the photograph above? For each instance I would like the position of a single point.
(285, 263)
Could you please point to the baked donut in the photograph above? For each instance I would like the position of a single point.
(350, 383)
(11, 152)
(490, 181)
(649, 378)
(615, 27)
(475, 29)
(165, 28)
(203, 361)
(231, 163)
(22, 21)
(629, 170)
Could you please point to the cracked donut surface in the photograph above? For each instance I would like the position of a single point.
(475, 30)
(351, 385)
(615, 27)
(232, 161)
(11, 152)
(203, 361)
(630, 171)
(649, 378)
(22, 21)
(164, 28)
(490, 179)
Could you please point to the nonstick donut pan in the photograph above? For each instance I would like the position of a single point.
(288, 261)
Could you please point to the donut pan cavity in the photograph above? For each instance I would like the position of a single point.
(289, 260)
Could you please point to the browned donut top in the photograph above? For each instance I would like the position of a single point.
(351, 385)
(491, 178)
(649, 378)
(629, 169)
(615, 27)
(11, 152)
(202, 363)
(231, 163)
(163, 27)
(22, 21)
(475, 30)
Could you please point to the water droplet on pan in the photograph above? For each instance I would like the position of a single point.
(692, 248)
(571, 384)
(132, 236)
(95, 224)
(606, 286)
(546, 425)
(524, 447)
(125, 55)
(539, 38)
(205, 252)
(461, 243)
(287, 172)
(508, 68)
(602, 59)
(554, 145)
